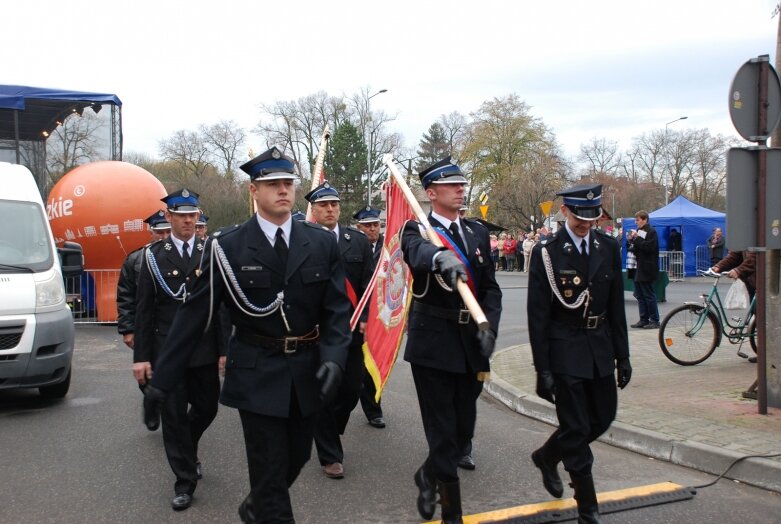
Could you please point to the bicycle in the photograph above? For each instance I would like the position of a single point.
(690, 333)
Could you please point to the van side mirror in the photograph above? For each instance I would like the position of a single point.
(71, 259)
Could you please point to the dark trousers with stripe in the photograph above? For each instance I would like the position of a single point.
(182, 427)
(585, 409)
(277, 449)
(332, 418)
(448, 407)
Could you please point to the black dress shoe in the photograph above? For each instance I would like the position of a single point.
(550, 476)
(427, 496)
(198, 470)
(246, 511)
(651, 325)
(466, 462)
(377, 422)
(639, 324)
(181, 501)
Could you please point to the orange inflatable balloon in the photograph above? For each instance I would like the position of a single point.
(102, 206)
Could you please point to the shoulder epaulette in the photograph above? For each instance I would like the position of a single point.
(317, 227)
(225, 231)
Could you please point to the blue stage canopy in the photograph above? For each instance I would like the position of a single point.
(694, 222)
(27, 112)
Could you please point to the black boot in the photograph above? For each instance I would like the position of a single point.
(550, 475)
(247, 511)
(586, 497)
(450, 498)
(427, 498)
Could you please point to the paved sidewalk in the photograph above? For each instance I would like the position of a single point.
(688, 415)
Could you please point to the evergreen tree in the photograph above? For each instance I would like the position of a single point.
(433, 147)
(345, 168)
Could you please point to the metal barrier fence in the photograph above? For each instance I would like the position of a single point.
(92, 296)
(673, 263)
(702, 258)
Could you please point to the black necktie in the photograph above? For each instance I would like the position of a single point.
(457, 237)
(185, 254)
(280, 247)
(583, 248)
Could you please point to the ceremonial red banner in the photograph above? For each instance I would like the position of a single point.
(388, 304)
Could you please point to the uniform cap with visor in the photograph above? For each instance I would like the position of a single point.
(367, 215)
(584, 201)
(446, 171)
(182, 201)
(270, 165)
(325, 192)
(157, 221)
(202, 220)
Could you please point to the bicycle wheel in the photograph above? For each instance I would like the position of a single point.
(752, 329)
(684, 346)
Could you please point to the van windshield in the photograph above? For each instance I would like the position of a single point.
(24, 237)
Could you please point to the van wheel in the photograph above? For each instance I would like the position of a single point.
(57, 390)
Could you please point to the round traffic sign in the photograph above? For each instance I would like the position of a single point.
(744, 101)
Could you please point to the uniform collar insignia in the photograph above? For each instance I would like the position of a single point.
(199, 246)
(347, 236)
(468, 228)
(168, 246)
(596, 243)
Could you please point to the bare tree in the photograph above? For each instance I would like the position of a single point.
(297, 125)
(373, 125)
(601, 156)
(648, 156)
(223, 140)
(513, 157)
(454, 126)
(188, 150)
(73, 143)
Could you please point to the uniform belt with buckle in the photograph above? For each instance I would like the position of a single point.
(460, 315)
(288, 345)
(592, 322)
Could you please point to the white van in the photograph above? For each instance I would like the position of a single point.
(36, 325)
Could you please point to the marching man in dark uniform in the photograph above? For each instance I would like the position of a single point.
(578, 334)
(369, 223)
(284, 285)
(168, 272)
(357, 260)
(448, 355)
(127, 284)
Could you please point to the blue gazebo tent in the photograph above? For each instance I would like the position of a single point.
(694, 222)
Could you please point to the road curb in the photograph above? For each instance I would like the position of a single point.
(762, 473)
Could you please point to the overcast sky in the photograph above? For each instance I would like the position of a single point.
(604, 68)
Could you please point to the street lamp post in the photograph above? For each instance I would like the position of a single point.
(369, 166)
(666, 191)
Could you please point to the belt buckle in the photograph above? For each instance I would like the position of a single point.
(463, 316)
(290, 341)
(592, 322)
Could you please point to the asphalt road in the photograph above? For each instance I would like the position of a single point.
(88, 458)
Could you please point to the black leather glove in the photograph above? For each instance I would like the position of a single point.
(329, 375)
(450, 267)
(153, 405)
(624, 369)
(546, 387)
(487, 341)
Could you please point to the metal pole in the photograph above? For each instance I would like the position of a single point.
(369, 169)
(760, 252)
(666, 192)
(369, 166)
